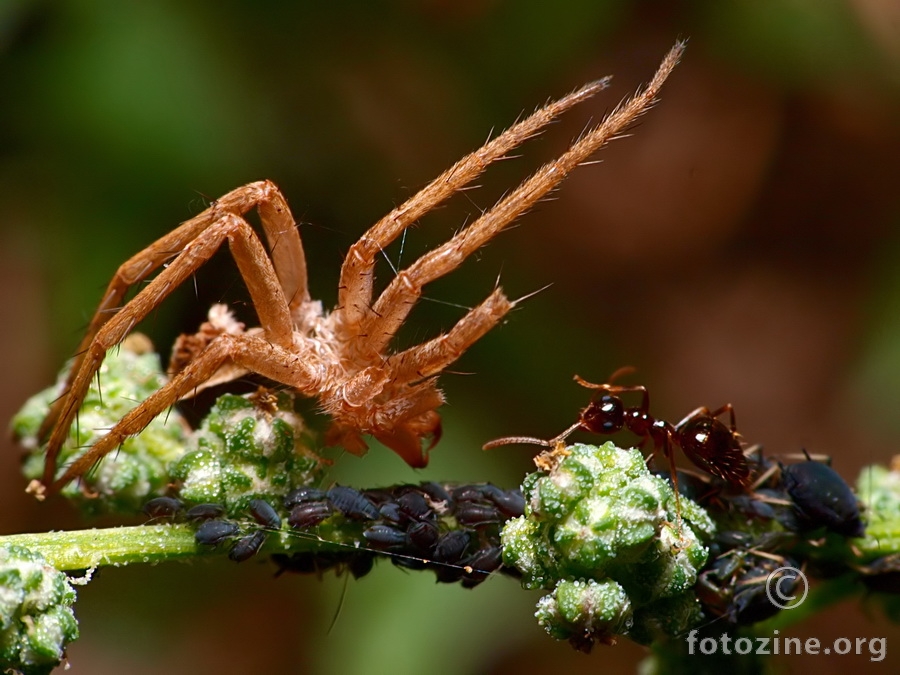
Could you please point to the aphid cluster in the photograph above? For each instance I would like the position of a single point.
(213, 529)
(733, 584)
(793, 512)
(453, 530)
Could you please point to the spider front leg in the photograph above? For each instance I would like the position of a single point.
(357, 272)
(296, 368)
(254, 266)
(430, 358)
(281, 234)
(395, 303)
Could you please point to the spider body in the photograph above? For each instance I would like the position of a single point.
(341, 357)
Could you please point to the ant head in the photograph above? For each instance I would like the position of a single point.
(604, 415)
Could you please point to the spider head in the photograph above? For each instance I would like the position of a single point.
(405, 439)
(403, 418)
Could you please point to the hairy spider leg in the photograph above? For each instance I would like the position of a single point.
(357, 272)
(281, 234)
(254, 266)
(395, 303)
(255, 354)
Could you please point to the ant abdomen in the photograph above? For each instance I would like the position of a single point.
(715, 448)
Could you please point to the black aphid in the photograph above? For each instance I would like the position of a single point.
(414, 506)
(423, 535)
(385, 537)
(162, 507)
(302, 495)
(214, 532)
(474, 514)
(205, 512)
(822, 499)
(247, 547)
(264, 514)
(309, 514)
(352, 503)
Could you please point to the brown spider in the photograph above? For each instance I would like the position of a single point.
(340, 357)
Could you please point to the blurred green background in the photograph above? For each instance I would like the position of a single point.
(742, 246)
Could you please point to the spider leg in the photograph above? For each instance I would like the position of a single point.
(281, 234)
(357, 272)
(255, 354)
(394, 304)
(430, 358)
(258, 273)
(395, 400)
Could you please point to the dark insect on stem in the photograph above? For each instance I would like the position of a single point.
(352, 503)
(303, 495)
(214, 532)
(309, 514)
(248, 546)
(263, 513)
(163, 507)
(202, 512)
(385, 537)
(822, 499)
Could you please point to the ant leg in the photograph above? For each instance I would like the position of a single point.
(703, 411)
(730, 410)
(673, 472)
(617, 389)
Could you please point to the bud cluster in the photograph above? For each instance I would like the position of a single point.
(619, 553)
(36, 618)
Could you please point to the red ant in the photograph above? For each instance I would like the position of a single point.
(706, 441)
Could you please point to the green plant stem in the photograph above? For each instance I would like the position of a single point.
(87, 549)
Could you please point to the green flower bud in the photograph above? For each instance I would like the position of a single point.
(135, 472)
(248, 447)
(600, 517)
(36, 618)
(585, 612)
